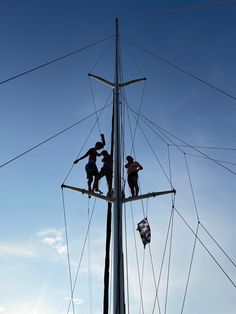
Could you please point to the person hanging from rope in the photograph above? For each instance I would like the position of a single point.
(91, 167)
(132, 170)
(106, 171)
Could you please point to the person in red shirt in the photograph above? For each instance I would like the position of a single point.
(91, 167)
(132, 170)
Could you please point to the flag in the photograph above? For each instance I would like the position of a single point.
(144, 231)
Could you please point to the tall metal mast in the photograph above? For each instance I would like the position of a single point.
(118, 271)
(117, 198)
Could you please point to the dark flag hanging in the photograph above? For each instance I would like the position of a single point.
(144, 231)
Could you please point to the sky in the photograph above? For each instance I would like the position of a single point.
(197, 37)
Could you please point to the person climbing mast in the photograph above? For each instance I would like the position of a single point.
(91, 167)
(132, 170)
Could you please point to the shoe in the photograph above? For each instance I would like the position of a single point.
(98, 191)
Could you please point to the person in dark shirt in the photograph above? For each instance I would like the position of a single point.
(91, 167)
(106, 171)
(132, 171)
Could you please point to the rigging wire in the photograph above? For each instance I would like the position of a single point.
(102, 55)
(199, 221)
(82, 253)
(154, 278)
(132, 140)
(53, 61)
(191, 186)
(126, 257)
(171, 231)
(100, 113)
(90, 266)
(123, 131)
(137, 260)
(190, 268)
(185, 8)
(169, 260)
(107, 279)
(111, 284)
(196, 233)
(163, 131)
(142, 278)
(68, 252)
(200, 152)
(220, 161)
(140, 102)
(132, 59)
(187, 145)
(132, 134)
(132, 150)
(95, 107)
(90, 80)
(188, 73)
(207, 147)
(222, 250)
(214, 259)
(51, 137)
(155, 155)
(162, 262)
(170, 174)
(139, 111)
(156, 298)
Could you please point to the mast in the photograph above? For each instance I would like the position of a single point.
(117, 198)
(118, 274)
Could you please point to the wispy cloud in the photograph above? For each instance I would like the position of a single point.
(2, 309)
(15, 250)
(77, 301)
(54, 238)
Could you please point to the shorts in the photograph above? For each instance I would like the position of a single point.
(105, 171)
(91, 170)
(132, 179)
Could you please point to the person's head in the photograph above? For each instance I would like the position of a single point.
(129, 159)
(99, 145)
(104, 152)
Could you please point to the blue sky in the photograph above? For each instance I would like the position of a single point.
(200, 40)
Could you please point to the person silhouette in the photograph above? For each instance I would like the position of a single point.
(106, 171)
(132, 170)
(91, 167)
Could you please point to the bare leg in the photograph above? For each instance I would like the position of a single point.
(132, 190)
(95, 185)
(109, 182)
(96, 181)
(90, 180)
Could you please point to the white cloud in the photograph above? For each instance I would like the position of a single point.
(2, 309)
(54, 238)
(77, 301)
(16, 249)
